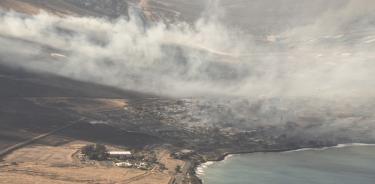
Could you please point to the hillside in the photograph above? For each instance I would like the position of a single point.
(109, 8)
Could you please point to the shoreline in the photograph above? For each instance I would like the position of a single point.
(331, 147)
(224, 156)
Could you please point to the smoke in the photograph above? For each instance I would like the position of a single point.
(329, 60)
(332, 57)
(122, 53)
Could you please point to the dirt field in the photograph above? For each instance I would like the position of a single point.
(169, 162)
(48, 164)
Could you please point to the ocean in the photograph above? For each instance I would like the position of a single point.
(343, 164)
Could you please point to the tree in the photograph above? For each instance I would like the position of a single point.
(162, 166)
(95, 152)
(178, 169)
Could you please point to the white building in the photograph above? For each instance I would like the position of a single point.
(124, 164)
(120, 154)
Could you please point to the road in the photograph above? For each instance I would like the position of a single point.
(180, 177)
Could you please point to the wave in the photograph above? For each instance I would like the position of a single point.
(200, 169)
(331, 147)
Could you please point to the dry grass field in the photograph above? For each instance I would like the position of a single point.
(49, 164)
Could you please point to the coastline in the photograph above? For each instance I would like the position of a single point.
(198, 169)
(331, 147)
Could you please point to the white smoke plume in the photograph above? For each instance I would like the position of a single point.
(332, 57)
(321, 68)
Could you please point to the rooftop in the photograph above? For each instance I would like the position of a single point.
(119, 153)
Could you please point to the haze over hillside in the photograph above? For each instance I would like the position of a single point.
(289, 50)
(290, 57)
(169, 77)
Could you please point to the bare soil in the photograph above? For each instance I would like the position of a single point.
(58, 164)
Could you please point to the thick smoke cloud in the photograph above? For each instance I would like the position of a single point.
(319, 73)
(332, 57)
(126, 54)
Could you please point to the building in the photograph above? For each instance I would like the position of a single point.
(120, 154)
(183, 154)
(124, 164)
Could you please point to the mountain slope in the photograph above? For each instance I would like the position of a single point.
(108, 8)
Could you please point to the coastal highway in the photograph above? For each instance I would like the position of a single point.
(179, 177)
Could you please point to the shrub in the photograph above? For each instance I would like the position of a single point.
(95, 152)
(178, 169)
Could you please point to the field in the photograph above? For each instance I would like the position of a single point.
(58, 164)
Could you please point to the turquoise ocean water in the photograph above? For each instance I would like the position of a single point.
(344, 164)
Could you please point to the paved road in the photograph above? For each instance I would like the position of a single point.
(180, 177)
